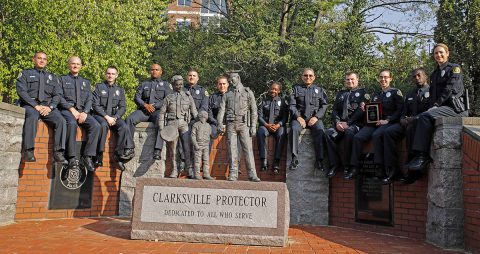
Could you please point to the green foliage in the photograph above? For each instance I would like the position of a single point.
(102, 33)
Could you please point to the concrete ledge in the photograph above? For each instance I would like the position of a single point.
(211, 211)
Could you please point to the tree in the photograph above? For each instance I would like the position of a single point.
(102, 33)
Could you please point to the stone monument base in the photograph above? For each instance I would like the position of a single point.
(211, 211)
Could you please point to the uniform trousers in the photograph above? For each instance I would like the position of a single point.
(93, 131)
(262, 135)
(140, 116)
(120, 128)
(317, 132)
(54, 119)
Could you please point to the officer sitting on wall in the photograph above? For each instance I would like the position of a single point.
(347, 119)
(272, 117)
(391, 102)
(177, 110)
(446, 91)
(76, 104)
(39, 94)
(240, 111)
(308, 104)
(109, 107)
(149, 99)
(416, 101)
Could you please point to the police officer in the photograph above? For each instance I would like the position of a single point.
(214, 103)
(347, 119)
(178, 109)
(149, 99)
(240, 111)
(308, 104)
(391, 100)
(109, 107)
(75, 105)
(39, 94)
(446, 91)
(416, 101)
(272, 116)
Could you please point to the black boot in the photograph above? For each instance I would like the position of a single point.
(319, 165)
(333, 170)
(29, 155)
(352, 174)
(420, 162)
(88, 163)
(98, 160)
(58, 157)
(276, 166)
(391, 174)
(294, 163)
(264, 165)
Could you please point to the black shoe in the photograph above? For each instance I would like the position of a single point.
(121, 166)
(419, 163)
(346, 170)
(319, 165)
(29, 156)
(157, 153)
(352, 174)
(332, 172)
(88, 163)
(294, 163)
(98, 160)
(410, 177)
(276, 167)
(128, 154)
(72, 163)
(58, 157)
(264, 165)
(392, 173)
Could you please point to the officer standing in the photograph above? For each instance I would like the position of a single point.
(308, 104)
(109, 107)
(198, 93)
(446, 91)
(214, 103)
(76, 104)
(391, 100)
(416, 101)
(149, 99)
(240, 111)
(347, 119)
(272, 116)
(177, 110)
(39, 94)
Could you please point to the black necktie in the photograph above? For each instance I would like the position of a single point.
(346, 102)
(152, 92)
(41, 89)
(271, 117)
(308, 102)
(110, 100)
(78, 99)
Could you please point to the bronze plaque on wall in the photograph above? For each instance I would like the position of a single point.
(373, 201)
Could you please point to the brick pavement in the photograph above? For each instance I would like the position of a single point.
(112, 235)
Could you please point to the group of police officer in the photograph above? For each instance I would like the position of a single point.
(67, 102)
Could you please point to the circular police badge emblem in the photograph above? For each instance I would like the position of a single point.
(50, 76)
(197, 91)
(388, 94)
(442, 73)
(74, 177)
(117, 93)
(426, 94)
(104, 92)
(279, 103)
(357, 94)
(316, 90)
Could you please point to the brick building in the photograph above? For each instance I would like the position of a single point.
(184, 13)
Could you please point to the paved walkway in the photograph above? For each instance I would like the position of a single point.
(112, 235)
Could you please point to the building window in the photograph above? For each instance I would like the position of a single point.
(184, 2)
(214, 6)
(183, 23)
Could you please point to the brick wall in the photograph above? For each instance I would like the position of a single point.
(410, 207)
(35, 179)
(471, 190)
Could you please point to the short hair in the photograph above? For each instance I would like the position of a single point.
(39, 52)
(176, 77)
(276, 83)
(348, 73)
(308, 69)
(441, 45)
(192, 70)
(221, 77)
(419, 69)
(69, 59)
(387, 70)
(158, 66)
(112, 67)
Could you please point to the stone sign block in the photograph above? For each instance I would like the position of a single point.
(211, 211)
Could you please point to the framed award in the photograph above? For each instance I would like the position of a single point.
(373, 112)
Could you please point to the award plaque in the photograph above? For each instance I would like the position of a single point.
(373, 112)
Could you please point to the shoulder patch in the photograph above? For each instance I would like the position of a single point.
(206, 93)
(399, 93)
(456, 70)
(20, 75)
(367, 96)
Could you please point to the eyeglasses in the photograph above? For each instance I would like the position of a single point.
(308, 75)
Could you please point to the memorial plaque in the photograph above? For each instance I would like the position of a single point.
(373, 112)
(211, 211)
(374, 201)
(71, 188)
